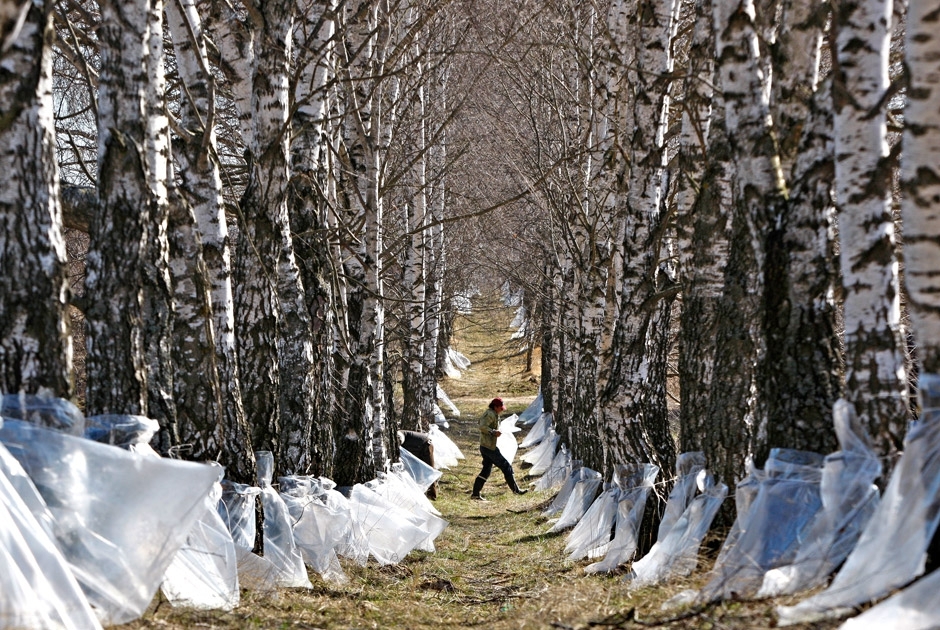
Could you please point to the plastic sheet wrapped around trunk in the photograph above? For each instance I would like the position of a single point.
(48, 412)
(538, 431)
(634, 483)
(119, 517)
(541, 456)
(849, 498)
(892, 549)
(769, 530)
(279, 546)
(37, 588)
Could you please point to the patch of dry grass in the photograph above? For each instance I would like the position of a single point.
(495, 566)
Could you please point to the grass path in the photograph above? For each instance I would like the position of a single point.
(494, 567)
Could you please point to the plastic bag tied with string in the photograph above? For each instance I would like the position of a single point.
(279, 546)
(391, 532)
(892, 549)
(50, 412)
(771, 530)
(634, 484)
(579, 500)
(849, 497)
(318, 528)
(531, 414)
(574, 476)
(423, 474)
(541, 456)
(675, 553)
(446, 453)
(118, 517)
(557, 471)
(538, 431)
(390, 488)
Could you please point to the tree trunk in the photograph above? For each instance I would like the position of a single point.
(200, 187)
(35, 348)
(920, 182)
(876, 382)
(119, 234)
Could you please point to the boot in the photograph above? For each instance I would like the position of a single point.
(477, 486)
(511, 481)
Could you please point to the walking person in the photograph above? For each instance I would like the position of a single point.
(489, 431)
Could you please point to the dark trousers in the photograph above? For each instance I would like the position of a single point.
(492, 457)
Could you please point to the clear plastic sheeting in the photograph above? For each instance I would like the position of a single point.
(684, 488)
(256, 573)
(557, 472)
(318, 527)
(849, 497)
(576, 474)
(354, 544)
(423, 474)
(675, 553)
(446, 453)
(634, 483)
(118, 517)
(538, 431)
(892, 549)
(121, 430)
(541, 456)
(532, 413)
(769, 532)
(390, 488)
(454, 364)
(917, 607)
(37, 588)
(204, 572)
(50, 412)
(279, 546)
(391, 531)
(582, 496)
(591, 537)
(439, 418)
(506, 443)
(400, 477)
(237, 509)
(447, 402)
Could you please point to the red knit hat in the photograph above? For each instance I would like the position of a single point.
(496, 402)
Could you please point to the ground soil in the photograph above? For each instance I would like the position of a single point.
(494, 566)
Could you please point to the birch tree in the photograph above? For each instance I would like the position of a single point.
(120, 231)
(211, 420)
(876, 381)
(35, 348)
(919, 182)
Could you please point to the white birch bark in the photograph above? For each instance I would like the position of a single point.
(158, 306)
(920, 182)
(35, 348)
(118, 256)
(312, 180)
(200, 188)
(630, 414)
(876, 381)
(757, 199)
